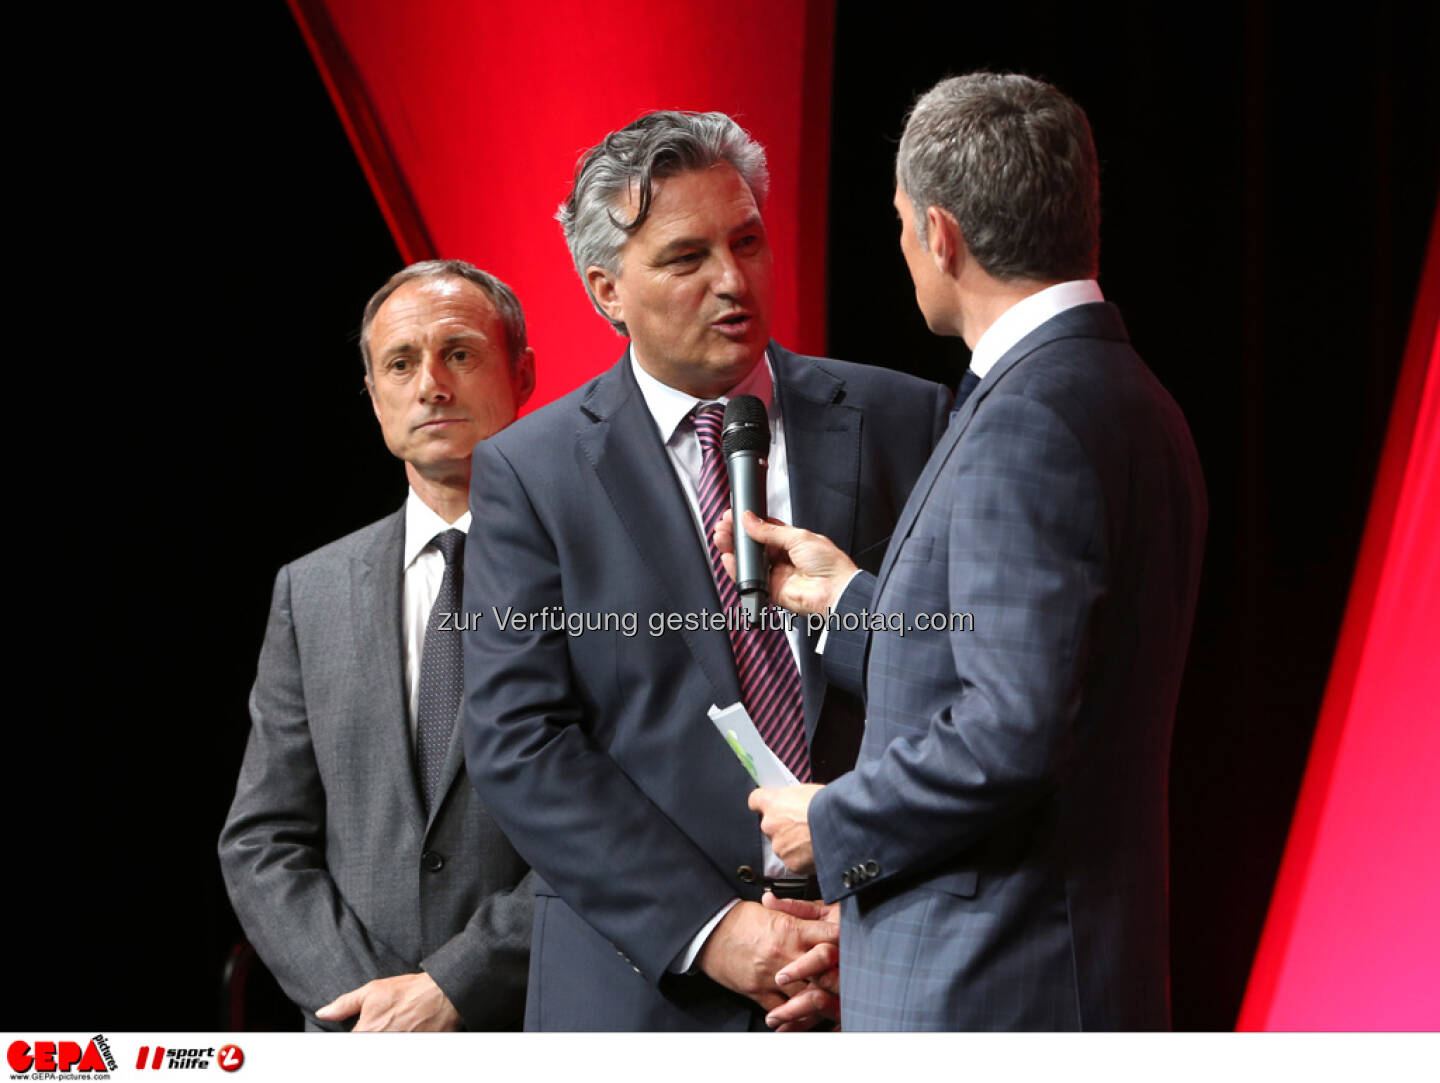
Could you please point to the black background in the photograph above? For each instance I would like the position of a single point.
(197, 239)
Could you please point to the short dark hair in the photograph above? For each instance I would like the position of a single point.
(506, 303)
(655, 146)
(1013, 160)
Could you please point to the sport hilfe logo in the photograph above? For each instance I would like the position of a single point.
(45, 1057)
(227, 1057)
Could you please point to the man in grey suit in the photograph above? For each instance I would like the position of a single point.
(362, 866)
(591, 741)
(1001, 846)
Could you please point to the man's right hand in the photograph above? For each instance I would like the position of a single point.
(808, 572)
(751, 945)
(818, 968)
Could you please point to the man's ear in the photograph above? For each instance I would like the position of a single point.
(524, 376)
(607, 296)
(947, 243)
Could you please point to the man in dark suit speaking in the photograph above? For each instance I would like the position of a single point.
(363, 868)
(1001, 846)
(586, 721)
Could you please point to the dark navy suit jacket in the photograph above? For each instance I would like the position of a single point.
(594, 751)
(1002, 842)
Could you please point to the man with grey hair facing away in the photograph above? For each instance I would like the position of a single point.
(594, 750)
(364, 869)
(1001, 846)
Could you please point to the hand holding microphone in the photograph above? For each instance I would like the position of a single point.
(804, 572)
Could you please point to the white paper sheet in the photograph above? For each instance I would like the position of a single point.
(740, 734)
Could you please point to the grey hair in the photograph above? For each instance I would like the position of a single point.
(655, 146)
(1013, 160)
(506, 303)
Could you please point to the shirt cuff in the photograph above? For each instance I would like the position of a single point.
(825, 632)
(686, 959)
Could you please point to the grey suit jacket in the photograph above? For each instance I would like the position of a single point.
(594, 750)
(333, 868)
(1002, 843)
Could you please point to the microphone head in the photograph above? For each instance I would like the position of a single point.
(747, 426)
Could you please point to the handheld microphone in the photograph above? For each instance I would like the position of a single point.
(745, 440)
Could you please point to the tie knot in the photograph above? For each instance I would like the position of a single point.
(968, 383)
(451, 544)
(708, 420)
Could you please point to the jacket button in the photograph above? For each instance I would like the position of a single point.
(746, 874)
(872, 868)
(431, 861)
(847, 879)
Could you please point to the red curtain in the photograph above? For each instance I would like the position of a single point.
(1352, 941)
(468, 120)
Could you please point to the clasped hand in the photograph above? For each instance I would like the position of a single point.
(782, 954)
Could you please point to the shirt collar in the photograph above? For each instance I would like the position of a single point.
(422, 524)
(669, 405)
(1024, 316)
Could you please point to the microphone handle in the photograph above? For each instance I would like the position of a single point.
(747, 493)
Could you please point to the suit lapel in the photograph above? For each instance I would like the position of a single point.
(918, 495)
(380, 659)
(619, 440)
(822, 444)
(449, 770)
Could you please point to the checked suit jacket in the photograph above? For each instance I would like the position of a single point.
(335, 871)
(594, 751)
(1001, 845)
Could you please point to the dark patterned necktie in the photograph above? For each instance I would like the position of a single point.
(968, 383)
(769, 680)
(441, 677)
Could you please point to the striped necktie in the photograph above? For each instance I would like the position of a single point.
(769, 679)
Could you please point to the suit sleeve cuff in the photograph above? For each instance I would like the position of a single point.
(844, 657)
(825, 838)
(685, 961)
(482, 969)
(825, 633)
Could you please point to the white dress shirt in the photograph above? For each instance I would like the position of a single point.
(424, 568)
(670, 407)
(1025, 315)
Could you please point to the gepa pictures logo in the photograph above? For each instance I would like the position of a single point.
(43, 1058)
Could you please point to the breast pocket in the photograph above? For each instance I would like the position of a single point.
(918, 580)
(872, 556)
(916, 548)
